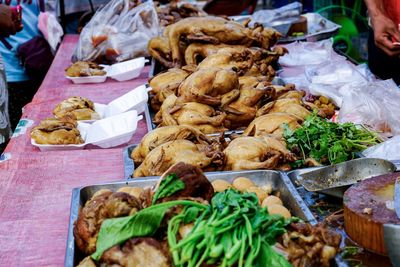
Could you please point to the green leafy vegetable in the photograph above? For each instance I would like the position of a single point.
(269, 257)
(143, 223)
(168, 186)
(327, 142)
(233, 230)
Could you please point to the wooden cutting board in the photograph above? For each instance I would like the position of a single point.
(367, 206)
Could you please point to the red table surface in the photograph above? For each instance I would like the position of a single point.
(36, 187)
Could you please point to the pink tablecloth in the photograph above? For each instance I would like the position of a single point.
(56, 88)
(35, 187)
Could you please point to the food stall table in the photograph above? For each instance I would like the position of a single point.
(35, 200)
(56, 88)
(36, 186)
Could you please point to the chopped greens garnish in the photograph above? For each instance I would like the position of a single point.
(327, 142)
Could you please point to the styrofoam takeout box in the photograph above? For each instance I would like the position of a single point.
(126, 70)
(90, 79)
(123, 71)
(105, 133)
(135, 99)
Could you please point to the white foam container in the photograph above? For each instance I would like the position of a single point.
(135, 99)
(90, 79)
(123, 71)
(126, 70)
(105, 133)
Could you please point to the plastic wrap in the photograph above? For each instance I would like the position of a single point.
(374, 104)
(117, 32)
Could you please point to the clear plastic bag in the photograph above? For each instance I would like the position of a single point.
(309, 53)
(375, 104)
(332, 79)
(292, 10)
(118, 32)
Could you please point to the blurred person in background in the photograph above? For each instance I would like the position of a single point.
(383, 52)
(7, 27)
(21, 86)
(77, 12)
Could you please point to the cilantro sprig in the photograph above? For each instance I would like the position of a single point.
(327, 142)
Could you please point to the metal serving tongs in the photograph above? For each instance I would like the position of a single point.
(335, 179)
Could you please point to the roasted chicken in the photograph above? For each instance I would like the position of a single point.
(196, 52)
(246, 61)
(165, 134)
(54, 131)
(82, 108)
(165, 84)
(272, 124)
(216, 30)
(200, 116)
(243, 110)
(211, 86)
(292, 106)
(206, 157)
(84, 68)
(160, 50)
(250, 153)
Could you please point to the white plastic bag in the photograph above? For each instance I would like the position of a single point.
(118, 32)
(389, 150)
(51, 29)
(375, 104)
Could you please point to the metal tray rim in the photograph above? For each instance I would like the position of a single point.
(75, 205)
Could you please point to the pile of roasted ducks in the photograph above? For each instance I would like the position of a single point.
(219, 79)
(170, 223)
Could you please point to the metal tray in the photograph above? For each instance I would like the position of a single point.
(319, 28)
(279, 181)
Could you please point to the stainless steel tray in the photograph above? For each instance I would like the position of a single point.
(279, 181)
